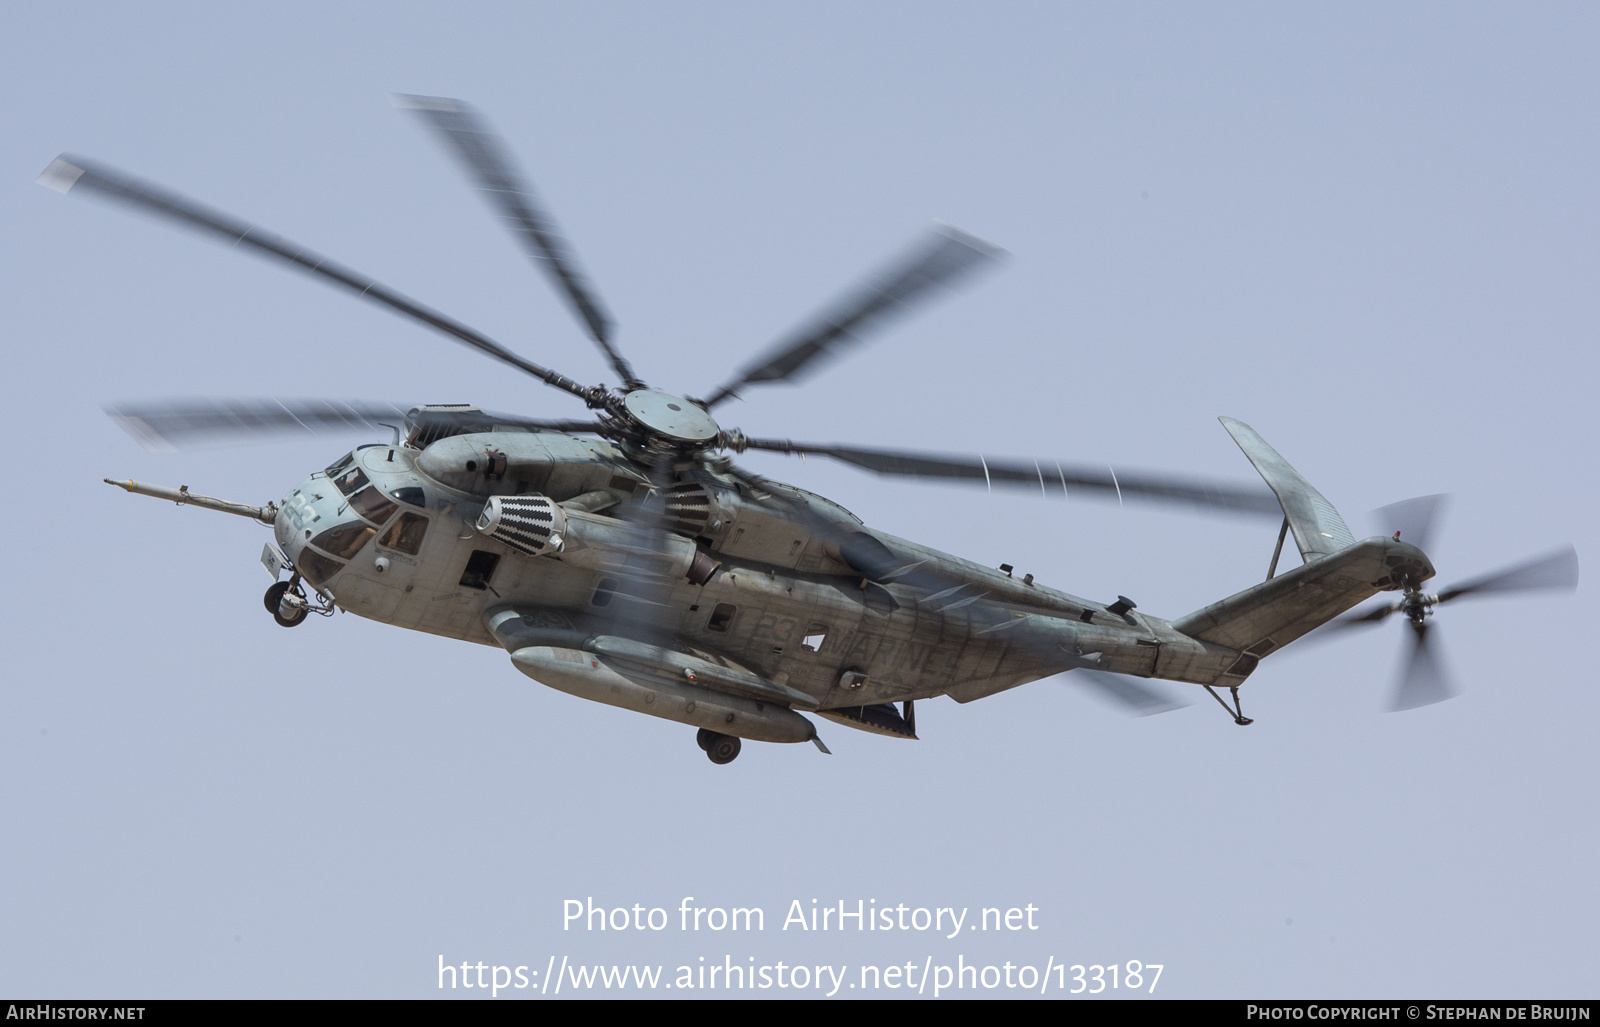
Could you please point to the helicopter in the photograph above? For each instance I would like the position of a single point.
(627, 559)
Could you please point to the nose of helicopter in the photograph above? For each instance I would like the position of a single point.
(308, 509)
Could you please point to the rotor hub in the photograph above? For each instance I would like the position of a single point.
(1417, 605)
(673, 417)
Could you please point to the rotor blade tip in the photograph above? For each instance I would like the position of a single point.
(414, 102)
(61, 175)
(1401, 705)
(983, 246)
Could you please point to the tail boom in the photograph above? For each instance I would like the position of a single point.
(1266, 617)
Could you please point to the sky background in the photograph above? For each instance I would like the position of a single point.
(1370, 231)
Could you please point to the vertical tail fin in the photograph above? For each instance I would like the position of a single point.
(1318, 528)
(1339, 572)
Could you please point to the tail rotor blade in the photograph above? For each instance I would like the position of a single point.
(1424, 681)
(1414, 519)
(1366, 618)
(1339, 627)
(1556, 572)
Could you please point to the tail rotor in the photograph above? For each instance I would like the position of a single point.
(1423, 679)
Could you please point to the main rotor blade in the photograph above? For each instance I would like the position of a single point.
(1424, 681)
(1127, 692)
(943, 592)
(1414, 519)
(857, 549)
(1050, 478)
(944, 257)
(639, 574)
(1555, 572)
(183, 425)
(486, 158)
(66, 173)
(174, 426)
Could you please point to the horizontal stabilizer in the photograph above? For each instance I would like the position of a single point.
(1318, 528)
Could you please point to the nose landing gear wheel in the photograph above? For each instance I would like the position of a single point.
(719, 748)
(274, 603)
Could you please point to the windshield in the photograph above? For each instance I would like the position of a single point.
(345, 540)
(372, 504)
(350, 481)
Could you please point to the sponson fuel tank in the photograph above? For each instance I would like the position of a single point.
(648, 679)
(591, 676)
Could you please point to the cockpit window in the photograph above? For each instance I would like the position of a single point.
(316, 567)
(351, 481)
(372, 504)
(411, 494)
(406, 534)
(345, 540)
(340, 465)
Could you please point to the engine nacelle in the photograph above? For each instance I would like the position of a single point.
(534, 525)
(538, 526)
(525, 463)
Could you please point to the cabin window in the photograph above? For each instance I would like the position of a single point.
(815, 635)
(722, 617)
(480, 568)
(372, 504)
(604, 592)
(345, 540)
(406, 534)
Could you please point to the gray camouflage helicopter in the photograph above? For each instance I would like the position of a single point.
(626, 559)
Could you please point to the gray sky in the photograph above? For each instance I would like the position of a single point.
(1368, 231)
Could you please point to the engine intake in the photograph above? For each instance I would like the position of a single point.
(534, 525)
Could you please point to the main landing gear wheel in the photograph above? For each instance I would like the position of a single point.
(274, 603)
(719, 748)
